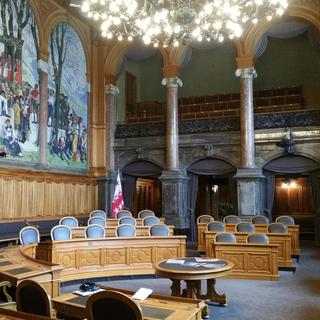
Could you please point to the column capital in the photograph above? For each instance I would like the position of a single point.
(43, 66)
(247, 73)
(111, 89)
(172, 82)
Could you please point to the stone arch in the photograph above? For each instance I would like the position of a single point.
(133, 170)
(297, 11)
(211, 166)
(39, 21)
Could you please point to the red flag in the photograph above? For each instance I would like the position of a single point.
(117, 203)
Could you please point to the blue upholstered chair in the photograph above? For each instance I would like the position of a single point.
(146, 213)
(285, 220)
(123, 213)
(260, 220)
(216, 226)
(232, 219)
(97, 220)
(70, 222)
(149, 221)
(225, 237)
(127, 220)
(98, 213)
(29, 234)
(245, 227)
(159, 230)
(61, 232)
(126, 230)
(258, 238)
(110, 304)
(94, 231)
(277, 227)
(205, 218)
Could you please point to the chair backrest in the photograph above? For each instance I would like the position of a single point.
(94, 231)
(127, 220)
(159, 229)
(277, 227)
(231, 219)
(61, 232)
(98, 213)
(216, 226)
(257, 238)
(285, 220)
(205, 218)
(111, 304)
(97, 220)
(225, 237)
(260, 220)
(70, 222)
(29, 234)
(146, 213)
(245, 227)
(32, 298)
(149, 221)
(126, 230)
(123, 213)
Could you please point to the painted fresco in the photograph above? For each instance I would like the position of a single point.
(19, 82)
(67, 99)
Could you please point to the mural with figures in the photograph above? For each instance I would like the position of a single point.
(19, 82)
(67, 99)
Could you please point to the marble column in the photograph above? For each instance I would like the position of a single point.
(174, 180)
(43, 112)
(249, 177)
(107, 184)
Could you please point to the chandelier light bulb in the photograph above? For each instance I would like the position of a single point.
(164, 22)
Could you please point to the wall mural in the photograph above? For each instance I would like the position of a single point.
(67, 99)
(19, 81)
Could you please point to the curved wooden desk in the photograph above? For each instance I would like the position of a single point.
(192, 271)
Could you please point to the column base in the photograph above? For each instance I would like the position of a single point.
(174, 198)
(106, 186)
(249, 187)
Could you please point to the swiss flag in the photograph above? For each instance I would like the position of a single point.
(117, 203)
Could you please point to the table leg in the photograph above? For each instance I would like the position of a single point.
(175, 288)
(213, 295)
(192, 288)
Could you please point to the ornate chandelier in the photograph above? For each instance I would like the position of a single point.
(164, 22)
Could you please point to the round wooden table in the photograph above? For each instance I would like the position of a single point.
(192, 271)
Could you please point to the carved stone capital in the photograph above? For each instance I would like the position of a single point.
(247, 73)
(43, 66)
(111, 89)
(172, 82)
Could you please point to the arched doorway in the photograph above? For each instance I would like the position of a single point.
(141, 188)
(292, 188)
(211, 190)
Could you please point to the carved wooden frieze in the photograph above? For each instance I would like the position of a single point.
(262, 121)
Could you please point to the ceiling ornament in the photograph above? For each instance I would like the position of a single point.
(164, 22)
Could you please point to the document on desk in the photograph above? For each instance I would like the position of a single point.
(205, 259)
(142, 294)
(175, 261)
(86, 293)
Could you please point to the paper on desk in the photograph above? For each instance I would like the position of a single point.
(86, 293)
(176, 261)
(142, 294)
(205, 259)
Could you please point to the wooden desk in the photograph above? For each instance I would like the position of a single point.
(193, 274)
(88, 258)
(293, 230)
(115, 222)
(17, 315)
(17, 263)
(282, 239)
(155, 307)
(142, 231)
(251, 260)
